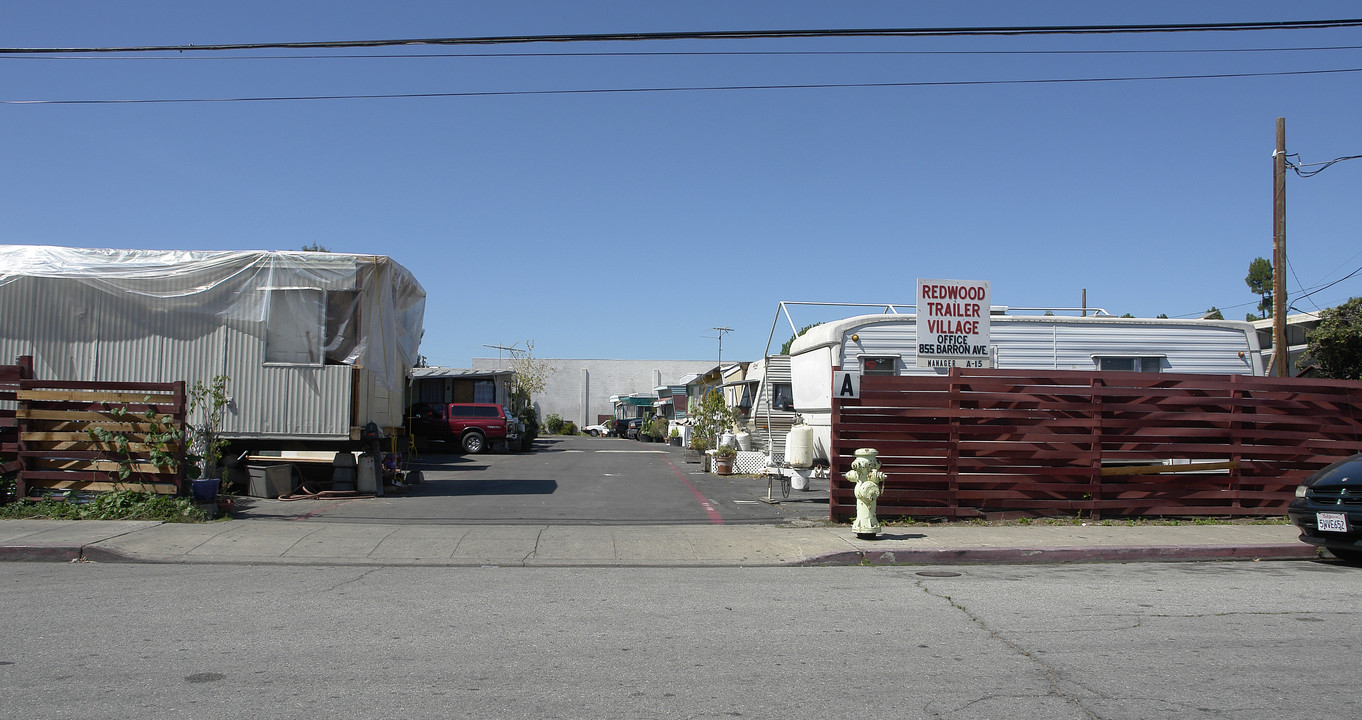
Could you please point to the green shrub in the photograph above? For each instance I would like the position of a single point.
(118, 505)
(569, 428)
(530, 417)
(553, 423)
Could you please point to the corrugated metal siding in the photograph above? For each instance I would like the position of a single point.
(1039, 344)
(769, 421)
(284, 400)
(16, 320)
(62, 328)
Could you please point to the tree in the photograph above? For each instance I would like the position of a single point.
(785, 349)
(531, 376)
(1213, 314)
(711, 418)
(314, 247)
(1259, 280)
(1335, 345)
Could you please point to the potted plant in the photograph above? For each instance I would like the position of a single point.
(675, 437)
(698, 451)
(208, 406)
(723, 459)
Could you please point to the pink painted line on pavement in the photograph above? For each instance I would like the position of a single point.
(714, 518)
(314, 513)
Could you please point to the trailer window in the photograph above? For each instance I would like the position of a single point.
(1130, 364)
(784, 396)
(745, 402)
(879, 365)
(342, 331)
(294, 332)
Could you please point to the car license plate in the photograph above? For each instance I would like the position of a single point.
(1332, 522)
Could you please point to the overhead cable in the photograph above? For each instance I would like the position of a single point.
(1300, 170)
(699, 88)
(729, 35)
(686, 53)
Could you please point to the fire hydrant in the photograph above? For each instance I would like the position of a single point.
(865, 472)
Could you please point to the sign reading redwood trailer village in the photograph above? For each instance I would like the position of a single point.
(953, 323)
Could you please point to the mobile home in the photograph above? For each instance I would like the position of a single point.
(887, 344)
(766, 405)
(317, 345)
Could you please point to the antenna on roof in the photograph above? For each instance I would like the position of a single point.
(499, 348)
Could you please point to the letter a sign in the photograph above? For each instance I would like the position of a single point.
(846, 385)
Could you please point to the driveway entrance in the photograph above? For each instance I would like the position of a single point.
(566, 480)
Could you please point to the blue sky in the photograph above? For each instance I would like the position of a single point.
(626, 225)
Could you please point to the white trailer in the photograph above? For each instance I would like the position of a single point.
(887, 344)
(767, 403)
(317, 345)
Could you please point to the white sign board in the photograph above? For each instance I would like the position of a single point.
(846, 385)
(953, 323)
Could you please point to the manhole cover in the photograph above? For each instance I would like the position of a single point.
(938, 573)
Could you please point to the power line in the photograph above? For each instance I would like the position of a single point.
(1300, 170)
(698, 88)
(1304, 293)
(729, 35)
(685, 53)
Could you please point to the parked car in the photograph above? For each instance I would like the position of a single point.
(628, 428)
(596, 430)
(1328, 509)
(471, 426)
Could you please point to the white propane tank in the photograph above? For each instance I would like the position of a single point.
(728, 439)
(744, 440)
(799, 446)
(365, 480)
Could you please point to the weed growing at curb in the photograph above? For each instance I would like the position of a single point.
(118, 505)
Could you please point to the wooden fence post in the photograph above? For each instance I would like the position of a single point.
(1095, 398)
(953, 392)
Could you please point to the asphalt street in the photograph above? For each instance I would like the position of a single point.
(566, 480)
(1239, 641)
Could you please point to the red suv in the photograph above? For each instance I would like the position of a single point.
(472, 425)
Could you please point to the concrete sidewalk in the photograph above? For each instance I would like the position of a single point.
(322, 543)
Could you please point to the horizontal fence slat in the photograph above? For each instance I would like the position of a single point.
(105, 486)
(76, 396)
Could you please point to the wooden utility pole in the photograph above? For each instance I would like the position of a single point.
(1280, 351)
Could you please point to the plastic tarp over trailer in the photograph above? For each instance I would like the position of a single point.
(316, 344)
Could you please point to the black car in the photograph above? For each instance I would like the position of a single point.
(1328, 509)
(628, 428)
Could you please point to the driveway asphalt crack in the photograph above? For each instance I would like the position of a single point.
(355, 579)
(534, 551)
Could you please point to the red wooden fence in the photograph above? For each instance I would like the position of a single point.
(10, 375)
(49, 433)
(1015, 442)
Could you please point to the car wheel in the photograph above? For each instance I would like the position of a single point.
(594, 433)
(474, 443)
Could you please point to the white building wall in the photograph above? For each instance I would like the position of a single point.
(580, 390)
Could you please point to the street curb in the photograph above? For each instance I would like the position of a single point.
(1060, 555)
(40, 553)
